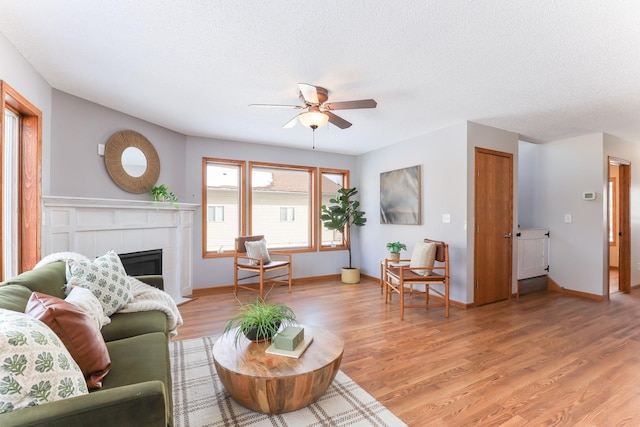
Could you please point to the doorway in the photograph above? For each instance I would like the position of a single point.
(493, 218)
(619, 225)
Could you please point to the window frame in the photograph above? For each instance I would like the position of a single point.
(29, 176)
(246, 195)
(345, 182)
(613, 212)
(242, 197)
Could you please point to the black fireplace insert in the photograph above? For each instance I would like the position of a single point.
(142, 263)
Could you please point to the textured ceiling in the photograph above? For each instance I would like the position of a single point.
(546, 69)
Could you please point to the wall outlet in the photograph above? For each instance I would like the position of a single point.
(567, 218)
(446, 218)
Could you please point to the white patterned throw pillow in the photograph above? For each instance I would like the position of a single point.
(35, 367)
(105, 277)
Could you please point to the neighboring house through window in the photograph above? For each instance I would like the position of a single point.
(274, 186)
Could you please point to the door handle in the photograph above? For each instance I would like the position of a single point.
(507, 236)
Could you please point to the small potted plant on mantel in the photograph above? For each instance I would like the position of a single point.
(394, 250)
(161, 193)
(259, 320)
(341, 216)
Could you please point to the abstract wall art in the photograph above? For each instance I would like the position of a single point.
(400, 196)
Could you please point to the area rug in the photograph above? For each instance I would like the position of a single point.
(199, 398)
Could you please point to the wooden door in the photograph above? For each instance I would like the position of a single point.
(493, 219)
(624, 233)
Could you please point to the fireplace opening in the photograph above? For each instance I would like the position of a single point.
(142, 263)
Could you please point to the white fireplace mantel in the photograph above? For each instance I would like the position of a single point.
(94, 226)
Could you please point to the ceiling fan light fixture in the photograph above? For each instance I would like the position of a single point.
(313, 117)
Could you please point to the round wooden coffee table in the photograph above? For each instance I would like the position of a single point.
(274, 384)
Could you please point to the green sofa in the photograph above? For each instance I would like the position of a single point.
(137, 389)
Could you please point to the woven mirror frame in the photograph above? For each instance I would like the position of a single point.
(115, 147)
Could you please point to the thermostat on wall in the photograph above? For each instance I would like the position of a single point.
(588, 195)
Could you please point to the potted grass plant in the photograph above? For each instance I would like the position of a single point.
(394, 250)
(259, 320)
(340, 216)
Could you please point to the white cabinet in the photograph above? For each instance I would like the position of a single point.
(533, 252)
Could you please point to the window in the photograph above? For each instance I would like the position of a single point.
(223, 194)
(613, 216)
(287, 213)
(274, 186)
(22, 213)
(331, 181)
(215, 213)
(10, 192)
(283, 204)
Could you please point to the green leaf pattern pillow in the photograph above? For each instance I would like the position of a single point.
(35, 367)
(105, 277)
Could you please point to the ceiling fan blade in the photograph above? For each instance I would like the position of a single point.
(278, 105)
(349, 105)
(309, 93)
(338, 121)
(291, 123)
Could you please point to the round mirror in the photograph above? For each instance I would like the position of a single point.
(132, 161)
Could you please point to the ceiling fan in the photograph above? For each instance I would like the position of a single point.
(317, 111)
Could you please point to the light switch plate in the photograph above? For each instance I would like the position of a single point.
(567, 218)
(446, 218)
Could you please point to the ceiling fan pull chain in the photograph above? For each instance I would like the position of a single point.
(313, 129)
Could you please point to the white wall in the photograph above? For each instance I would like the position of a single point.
(500, 140)
(77, 170)
(20, 75)
(569, 167)
(626, 150)
(447, 160)
(529, 191)
(219, 271)
(442, 155)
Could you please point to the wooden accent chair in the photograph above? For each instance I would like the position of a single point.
(400, 277)
(259, 266)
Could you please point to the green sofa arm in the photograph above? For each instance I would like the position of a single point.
(142, 404)
(157, 281)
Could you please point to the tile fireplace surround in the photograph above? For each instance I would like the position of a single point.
(93, 226)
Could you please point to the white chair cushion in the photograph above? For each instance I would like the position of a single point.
(258, 249)
(424, 255)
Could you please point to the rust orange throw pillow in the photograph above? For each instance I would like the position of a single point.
(77, 331)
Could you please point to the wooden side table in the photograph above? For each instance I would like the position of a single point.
(274, 384)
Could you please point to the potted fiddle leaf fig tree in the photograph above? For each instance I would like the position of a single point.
(341, 215)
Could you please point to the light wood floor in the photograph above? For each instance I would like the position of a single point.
(545, 360)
